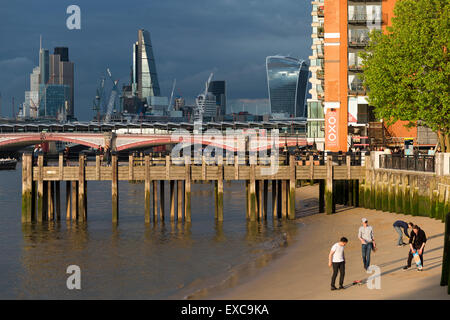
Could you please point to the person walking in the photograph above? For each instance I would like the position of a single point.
(417, 242)
(365, 235)
(336, 259)
(398, 226)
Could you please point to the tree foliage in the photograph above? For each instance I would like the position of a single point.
(406, 68)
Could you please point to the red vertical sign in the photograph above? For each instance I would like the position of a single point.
(331, 130)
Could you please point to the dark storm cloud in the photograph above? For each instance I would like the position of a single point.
(190, 39)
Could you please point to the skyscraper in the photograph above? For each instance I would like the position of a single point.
(145, 79)
(62, 72)
(218, 89)
(54, 74)
(63, 52)
(43, 65)
(287, 82)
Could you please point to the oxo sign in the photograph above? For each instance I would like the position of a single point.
(331, 129)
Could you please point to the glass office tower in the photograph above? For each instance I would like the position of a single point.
(53, 99)
(218, 89)
(287, 80)
(145, 78)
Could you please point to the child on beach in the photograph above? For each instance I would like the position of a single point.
(336, 260)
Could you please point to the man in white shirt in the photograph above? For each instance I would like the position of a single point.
(336, 259)
(365, 235)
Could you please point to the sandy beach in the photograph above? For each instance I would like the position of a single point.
(303, 272)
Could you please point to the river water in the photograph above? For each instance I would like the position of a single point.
(132, 260)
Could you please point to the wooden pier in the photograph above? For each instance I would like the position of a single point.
(41, 184)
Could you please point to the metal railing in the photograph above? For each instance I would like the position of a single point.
(358, 41)
(425, 163)
(357, 87)
(301, 158)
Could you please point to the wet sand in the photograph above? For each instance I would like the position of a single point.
(303, 272)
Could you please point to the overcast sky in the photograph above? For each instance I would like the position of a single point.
(190, 38)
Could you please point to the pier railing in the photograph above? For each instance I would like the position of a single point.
(424, 163)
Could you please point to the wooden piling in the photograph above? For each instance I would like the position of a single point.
(50, 201)
(280, 198)
(40, 191)
(180, 200)
(74, 200)
(98, 167)
(33, 196)
(114, 189)
(45, 197)
(68, 200)
(265, 195)
(292, 182)
(82, 213)
(172, 200)
(321, 196)
(155, 201)
(253, 203)
(274, 199)
(329, 201)
(147, 188)
(187, 193)
(247, 199)
(161, 201)
(27, 181)
(220, 194)
(58, 200)
(284, 198)
(260, 199)
(130, 167)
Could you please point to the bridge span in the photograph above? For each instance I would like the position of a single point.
(124, 141)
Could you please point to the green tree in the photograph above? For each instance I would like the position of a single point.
(406, 68)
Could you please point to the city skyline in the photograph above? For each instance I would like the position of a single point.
(236, 55)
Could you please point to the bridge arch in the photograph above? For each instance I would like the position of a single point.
(19, 140)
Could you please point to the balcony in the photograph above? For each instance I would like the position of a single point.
(320, 11)
(354, 67)
(358, 41)
(363, 19)
(356, 87)
(320, 33)
(320, 74)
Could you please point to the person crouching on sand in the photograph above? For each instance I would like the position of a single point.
(336, 259)
(398, 226)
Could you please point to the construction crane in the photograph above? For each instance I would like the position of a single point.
(170, 107)
(112, 97)
(200, 102)
(99, 98)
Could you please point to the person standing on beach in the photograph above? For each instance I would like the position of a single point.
(365, 235)
(417, 242)
(336, 260)
(398, 226)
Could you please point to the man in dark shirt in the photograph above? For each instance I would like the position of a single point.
(417, 242)
(398, 226)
